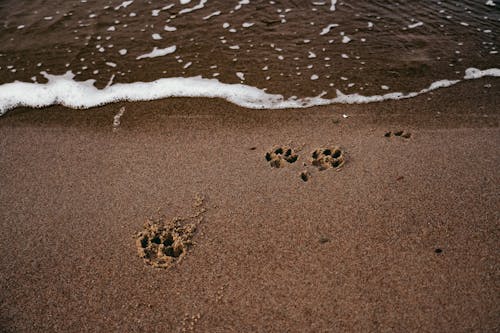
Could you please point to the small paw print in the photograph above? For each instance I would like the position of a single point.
(278, 157)
(402, 134)
(326, 158)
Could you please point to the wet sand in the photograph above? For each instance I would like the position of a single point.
(402, 238)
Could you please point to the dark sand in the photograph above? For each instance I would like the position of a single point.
(352, 250)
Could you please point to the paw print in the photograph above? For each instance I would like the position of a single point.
(326, 158)
(402, 134)
(162, 244)
(278, 157)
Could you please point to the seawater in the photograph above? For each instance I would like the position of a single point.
(258, 54)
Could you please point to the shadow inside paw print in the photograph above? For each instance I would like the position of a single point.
(305, 175)
(328, 158)
(402, 134)
(281, 155)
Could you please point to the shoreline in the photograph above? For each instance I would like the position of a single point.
(348, 250)
(68, 93)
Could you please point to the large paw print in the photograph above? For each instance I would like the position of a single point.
(163, 243)
(278, 157)
(326, 158)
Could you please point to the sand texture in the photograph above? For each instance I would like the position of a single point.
(386, 220)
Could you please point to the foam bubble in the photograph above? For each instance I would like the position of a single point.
(241, 76)
(328, 28)
(124, 4)
(474, 73)
(333, 5)
(216, 13)
(192, 9)
(158, 52)
(169, 28)
(241, 3)
(345, 39)
(415, 25)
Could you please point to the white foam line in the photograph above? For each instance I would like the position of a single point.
(158, 52)
(64, 90)
(198, 6)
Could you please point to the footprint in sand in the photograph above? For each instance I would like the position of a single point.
(278, 157)
(322, 158)
(163, 242)
(326, 158)
(402, 134)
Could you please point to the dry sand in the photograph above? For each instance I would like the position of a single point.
(403, 237)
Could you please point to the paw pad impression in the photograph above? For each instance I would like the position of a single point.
(161, 244)
(402, 134)
(326, 158)
(281, 155)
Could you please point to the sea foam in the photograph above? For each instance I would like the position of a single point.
(158, 52)
(64, 90)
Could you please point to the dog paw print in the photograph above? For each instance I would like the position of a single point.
(326, 158)
(402, 134)
(278, 157)
(161, 244)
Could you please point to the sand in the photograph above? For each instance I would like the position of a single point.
(403, 237)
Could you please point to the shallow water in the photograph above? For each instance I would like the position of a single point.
(293, 48)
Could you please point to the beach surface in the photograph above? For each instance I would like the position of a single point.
(403, 237)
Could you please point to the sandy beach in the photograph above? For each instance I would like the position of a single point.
(403, 237)
(249, 166)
